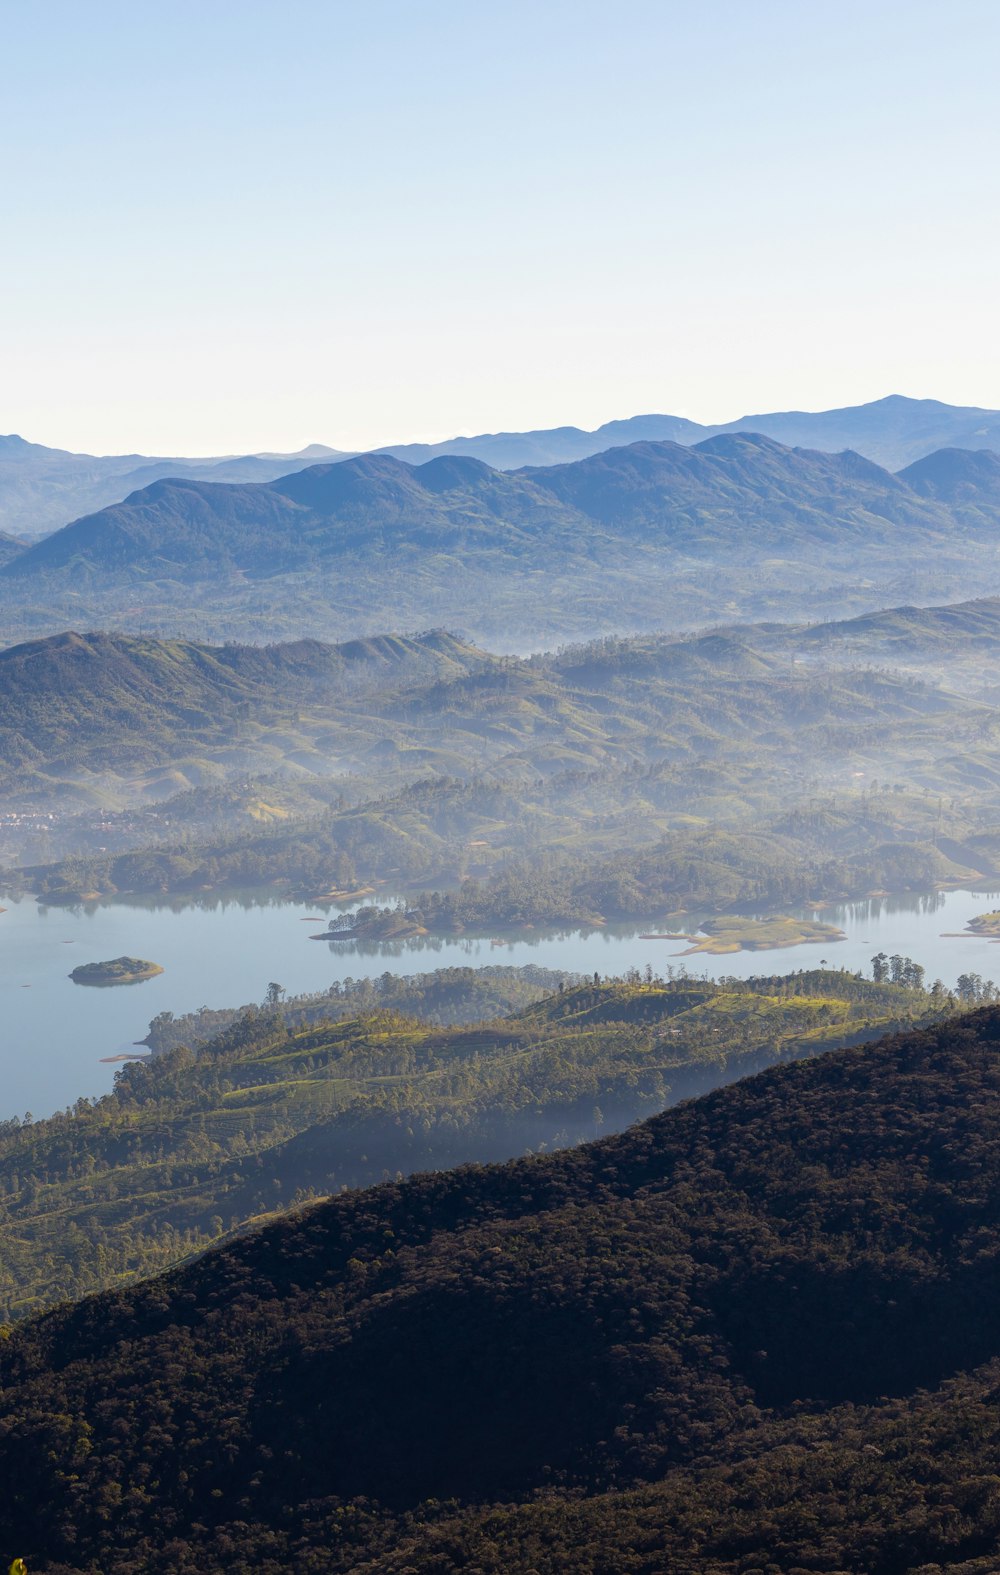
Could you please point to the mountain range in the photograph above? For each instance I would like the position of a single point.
(743, 493)
(754, 1333)
(43, 488)
(655, 533)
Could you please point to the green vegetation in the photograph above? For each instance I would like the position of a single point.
(755, 1333)
(986, 924)
(119, 970)
(203, 1137)
(447, 997)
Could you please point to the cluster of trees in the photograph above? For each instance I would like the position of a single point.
(901, 970)
(753, 1333)
(447, 997)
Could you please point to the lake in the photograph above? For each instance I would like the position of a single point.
(225, 952)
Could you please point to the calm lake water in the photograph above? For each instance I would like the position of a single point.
(53, 1033)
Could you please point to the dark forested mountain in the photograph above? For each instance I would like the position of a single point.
(756, 1332)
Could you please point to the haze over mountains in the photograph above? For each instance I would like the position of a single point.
(624, 779)
(43, 488)
(655, 534)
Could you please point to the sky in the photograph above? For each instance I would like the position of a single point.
(229, 227)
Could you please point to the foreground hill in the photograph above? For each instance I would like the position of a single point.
(654, 532)
(218, 1131)
(753, 1333)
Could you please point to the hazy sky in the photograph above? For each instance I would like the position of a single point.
(244, 224)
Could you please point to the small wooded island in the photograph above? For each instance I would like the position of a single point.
(374, 924)
(120, 970)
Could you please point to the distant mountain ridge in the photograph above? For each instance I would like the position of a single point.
(893, 432)
(43, 488)
(653, 535)
(740, 490)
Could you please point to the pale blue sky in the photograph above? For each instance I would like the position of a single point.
(230, 226)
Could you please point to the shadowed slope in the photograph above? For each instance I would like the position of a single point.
(823, 1235)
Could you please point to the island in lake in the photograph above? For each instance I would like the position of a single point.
(735, 934)
(120, 970)
(374, 924)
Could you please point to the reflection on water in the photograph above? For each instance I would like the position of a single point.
(225, 950)
(869, 910)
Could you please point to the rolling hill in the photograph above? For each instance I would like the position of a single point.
(755, 1332)
(626, 778)
(95, 713)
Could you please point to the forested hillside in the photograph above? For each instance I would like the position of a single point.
(754, 1332)
(622, 779)
(245, 1114)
